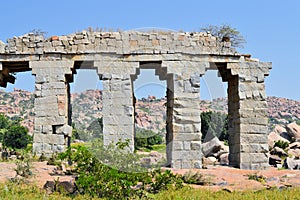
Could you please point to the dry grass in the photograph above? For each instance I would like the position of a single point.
(25, 192)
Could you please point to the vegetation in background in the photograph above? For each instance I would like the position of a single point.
(146, 139)
(214, 124)
(12, 134)
(94, 131)
(226, 31)
(96, 128)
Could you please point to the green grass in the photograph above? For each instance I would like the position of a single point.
(26, 192)
(160, 148)
(195, 194)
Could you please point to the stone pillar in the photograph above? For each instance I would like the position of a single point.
(118, 110)
(248, 119)
(184, 122)
(52, 129)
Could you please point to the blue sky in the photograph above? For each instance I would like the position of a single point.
(271, 28)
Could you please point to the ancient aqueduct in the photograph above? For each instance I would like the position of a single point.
(179, 58)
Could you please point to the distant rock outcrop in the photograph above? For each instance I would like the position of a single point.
(150, 112)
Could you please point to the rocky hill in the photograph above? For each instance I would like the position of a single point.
(150, 112)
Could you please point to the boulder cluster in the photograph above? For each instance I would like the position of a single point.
(215, 152)
(284, 144)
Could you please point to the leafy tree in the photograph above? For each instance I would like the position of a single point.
(226, 31)
(214, 124)
(146, 138)
(96, 128)
(4, 124)
(75, 132)
(12, 134)
(4, 121)
(16, 137)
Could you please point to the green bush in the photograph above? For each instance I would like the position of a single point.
(12, 134)
(146, 138)
(107, 172)
(16, 137)
(197, 178)
(281, 144)
(24, 166)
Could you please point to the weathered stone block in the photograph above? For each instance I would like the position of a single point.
(186, 155)
(187, 136)
(118, 119)
(254, 148)
(177, 145)
(197, 164)
(211, 147)
(64, 130)
(44, 101)
(186, 164)
(186, 145)
(253, 128)
(49, 139)
(254, 138)
(254, 158)
(196, 145)
(187, 119)
(57, 120)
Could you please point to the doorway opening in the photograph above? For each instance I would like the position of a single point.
(149, 85)
(17, 93)
(214, 115)
(86, 101)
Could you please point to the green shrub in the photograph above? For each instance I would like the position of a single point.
(12, 134)
(195, 178)
(256, 177)
(23, 168)
(146, 138)
(164, 181)
(100, 180)
(281, 144)
(16, 137)
(114, 173)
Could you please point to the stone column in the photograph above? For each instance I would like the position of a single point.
(184, 123)
(118, 110)
(248, 119)
(117, 99)
(183, 115)
(52, 128)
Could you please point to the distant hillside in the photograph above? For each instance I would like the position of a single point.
(151, 114)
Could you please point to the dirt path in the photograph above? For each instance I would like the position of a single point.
(220, 177)
(41, 173)
(223, 177)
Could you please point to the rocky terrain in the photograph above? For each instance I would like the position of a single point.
(150, 112)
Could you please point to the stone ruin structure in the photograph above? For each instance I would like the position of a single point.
(179, 58)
